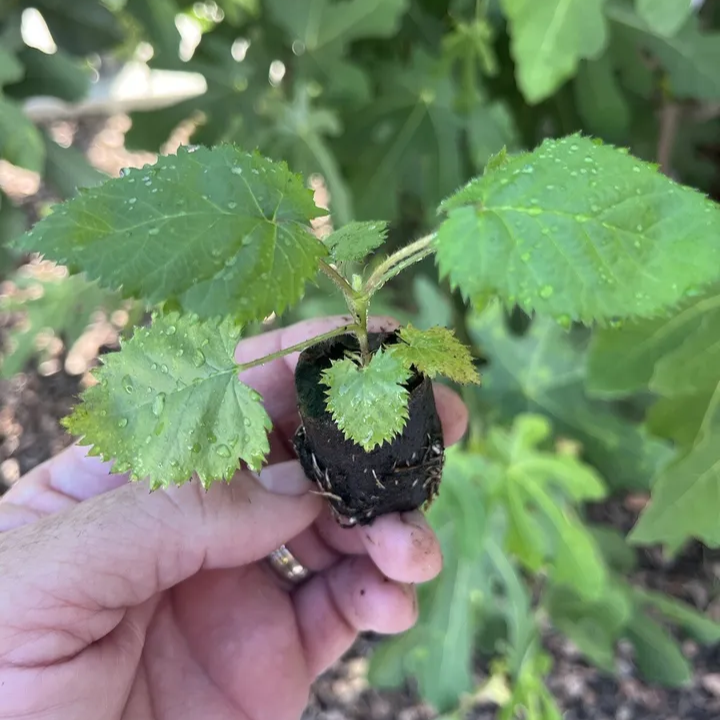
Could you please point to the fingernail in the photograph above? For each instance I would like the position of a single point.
(285, 478)
(415, 519)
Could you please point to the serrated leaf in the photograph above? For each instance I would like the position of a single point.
(657, 654)
(322, 25)
(675, 353)
(690, 57)
(581, 231)
(434, 352)
(20, 141)
(369, 404)
(169, 403)
(665, 17)
(221, 231)
(356, 240)
(544, 372)
(64, 306)
(549, 38)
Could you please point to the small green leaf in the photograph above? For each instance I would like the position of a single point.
(64, 306)
(20, 141)
(436, 352)
(665, 17)
(356, 240)
(170, 404)
(657, 654)
(370, 403)
(549, 38)
(221, 231)
(579, 230)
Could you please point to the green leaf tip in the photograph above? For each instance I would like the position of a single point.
(434, 352)
(580, 231)
(169, 404)
(356, 240)
(219, 231)
(369, 404)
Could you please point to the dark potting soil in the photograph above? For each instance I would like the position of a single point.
(398, 476)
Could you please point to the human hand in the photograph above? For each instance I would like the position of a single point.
(120, 603)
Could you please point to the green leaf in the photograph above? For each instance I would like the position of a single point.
(702, 628)
(490, 128)
(157, 19)
(537, 487)
(581, 231)
(322, 25)
(690, 57)
(664, 17)
(684, 496)
(220, 231)
(64, 306)
(549, 38)
(11, 69)
(369, 403)
(410, 138)
(657, 655)
(673, 355)
(356, 240)
(594, 627)
(170, 404)
(601, 102)
(435, 352)
(543, 371)
(67, 169)
(57, 75)
(20, 141)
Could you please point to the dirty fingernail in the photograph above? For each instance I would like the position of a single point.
(285, 478)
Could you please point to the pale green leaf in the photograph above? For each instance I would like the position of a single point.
(20, 141)
(321, 24)
(691, 57)
(434, 352)
(61, 305)
(370, 403)
(579, 230)
(665, 17)
(220, 231)
(490, 128)
(549, 38)
(169, 403)
(11, 69)
(671, 340)
(356, 240)
(657, 655)
(543, 371)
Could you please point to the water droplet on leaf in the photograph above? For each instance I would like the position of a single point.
(128, 384)
(546, 291)
(158, 404)
(122, 422)
(223, 451)
(198, 358)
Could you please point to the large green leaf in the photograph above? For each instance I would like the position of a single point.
(221, 231)
(690, 57)
(322, 25)
(368, 403)
(20, 141)
(410, 139)
(579, 230)
(549, 38)
(544, 371)
(674, 355)
(169, 404)
(64, 306)
(665, 17)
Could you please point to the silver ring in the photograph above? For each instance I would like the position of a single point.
(284, 563)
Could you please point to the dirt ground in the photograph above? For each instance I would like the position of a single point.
(32, 403)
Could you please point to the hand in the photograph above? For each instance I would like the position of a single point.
(119, 603)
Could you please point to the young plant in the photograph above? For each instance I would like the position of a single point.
(216, 238)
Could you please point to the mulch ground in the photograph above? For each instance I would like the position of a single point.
(32, 403)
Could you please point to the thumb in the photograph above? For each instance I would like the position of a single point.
(121, 548)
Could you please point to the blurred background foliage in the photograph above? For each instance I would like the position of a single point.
(388, 106)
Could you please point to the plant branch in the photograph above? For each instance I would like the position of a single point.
(397, 262)
(670, 116)
(337, 279)
(298, 347)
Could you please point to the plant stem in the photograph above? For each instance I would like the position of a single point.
(337, 279)
(299, 346)
(397, 262)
